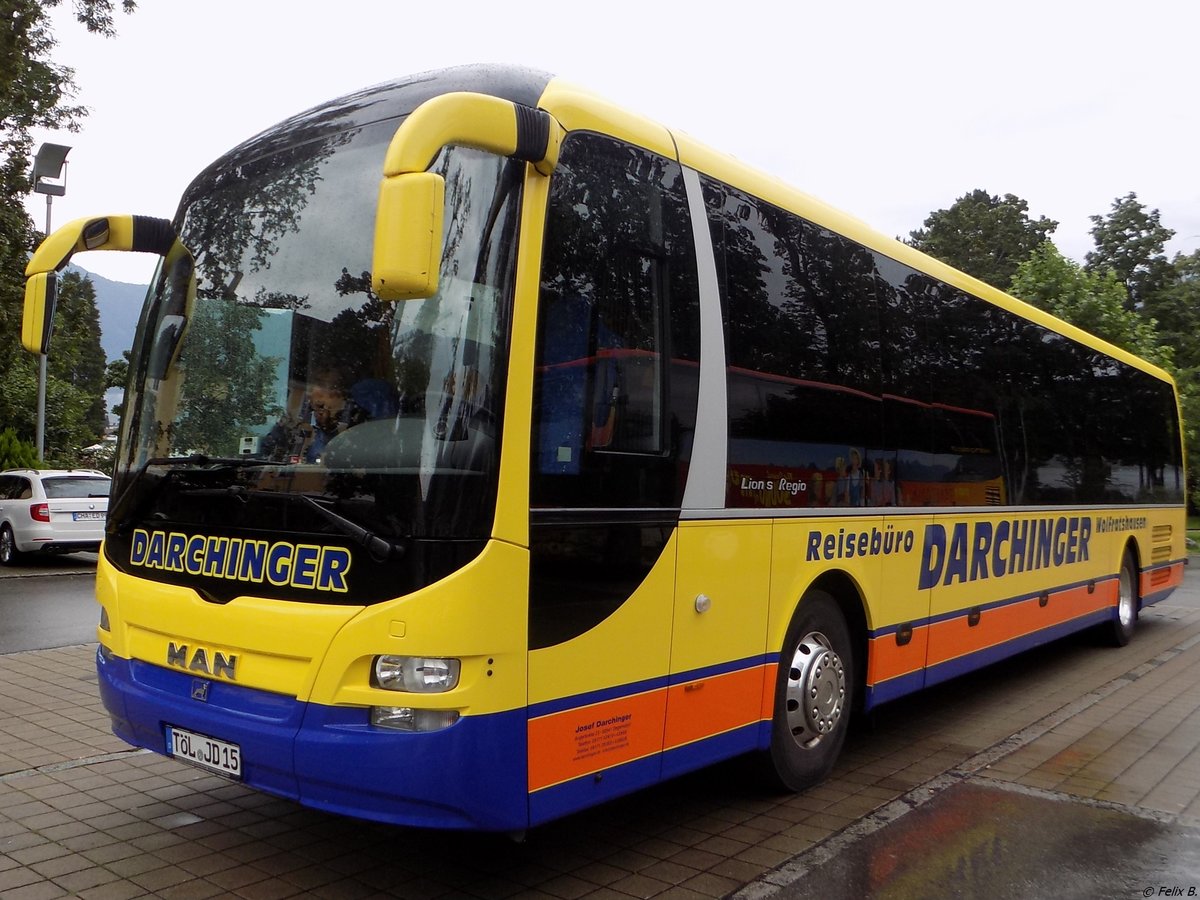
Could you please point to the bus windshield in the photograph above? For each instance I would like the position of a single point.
(267, 372)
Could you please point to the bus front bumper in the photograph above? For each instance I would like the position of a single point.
(471, 775)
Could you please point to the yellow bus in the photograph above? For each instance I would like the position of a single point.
(491, 452)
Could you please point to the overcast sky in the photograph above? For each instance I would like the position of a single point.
(887, 110)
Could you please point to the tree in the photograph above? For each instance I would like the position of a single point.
(35, 92)
(1093, 301)
(116, 374)
(76, 356)
(983, 235)
(16, 453)
(1176, 308)
(228, 383)
(1130, 241)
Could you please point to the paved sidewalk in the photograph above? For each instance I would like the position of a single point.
(82, 815)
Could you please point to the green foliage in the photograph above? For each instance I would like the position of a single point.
(116, 373)
(75, 415)
(1176, 308)
(228, 384)
(76, 356)
(983, 235)
(1093, 301)
(36, 92)
(16, 453)
(1129, 242)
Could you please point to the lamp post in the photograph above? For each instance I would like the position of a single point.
(49, 178)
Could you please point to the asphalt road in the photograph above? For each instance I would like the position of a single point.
(48, 604)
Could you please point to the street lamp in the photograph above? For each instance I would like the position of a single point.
(49, 178)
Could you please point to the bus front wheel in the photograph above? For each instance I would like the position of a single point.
(813, 693)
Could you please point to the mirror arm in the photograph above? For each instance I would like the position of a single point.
(137, 233)
(143, 234)
(474, 120)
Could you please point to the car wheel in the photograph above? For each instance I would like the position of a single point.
(9, 554)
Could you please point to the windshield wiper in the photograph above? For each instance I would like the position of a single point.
(379, 548)
(175, 466)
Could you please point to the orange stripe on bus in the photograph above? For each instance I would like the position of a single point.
(580, 741)
(770, 676)
(709, 706)
(953, 638)
(886, 659)
(1160, 579)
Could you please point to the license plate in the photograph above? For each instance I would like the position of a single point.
(209, 753)
(87, 516)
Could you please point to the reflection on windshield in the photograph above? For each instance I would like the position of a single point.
(387, 413)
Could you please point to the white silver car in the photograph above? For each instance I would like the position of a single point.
(51, 511)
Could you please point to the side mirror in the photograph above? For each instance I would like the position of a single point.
(37, 323)
(138, 233)
(408, 236)
(409, 214)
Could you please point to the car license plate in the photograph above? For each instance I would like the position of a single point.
(87, 516)
(209, 753)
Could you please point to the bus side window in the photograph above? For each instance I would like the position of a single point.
(617, 265)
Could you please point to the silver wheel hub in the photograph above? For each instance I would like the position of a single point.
(1125, 610)
(816, 690)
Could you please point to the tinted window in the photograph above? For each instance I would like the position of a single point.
(986, 407)
(59, 488)
(857, 380)
(615, 385)
(802, 332)
(617, 365)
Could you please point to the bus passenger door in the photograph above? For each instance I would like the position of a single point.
(899, 613)
(613, 405)
(718, 680)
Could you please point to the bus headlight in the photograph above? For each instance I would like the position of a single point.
(417, 674)
(405, 718)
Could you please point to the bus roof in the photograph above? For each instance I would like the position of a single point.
(579, 108)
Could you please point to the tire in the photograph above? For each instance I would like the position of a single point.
(9, 554)
(1124, 621)
(813, 695)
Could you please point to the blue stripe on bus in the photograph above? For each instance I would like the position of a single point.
(961, 665)
(1020, 598)
(548, 707)
(1158, 596)
(588, 790)
(893, 688)
(470, 775)
(1166, 565)
(707, 751)
(736, 665)
(984, 607)
(561, 704)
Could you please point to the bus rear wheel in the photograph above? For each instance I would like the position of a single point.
(813, 694)
(1124, 621)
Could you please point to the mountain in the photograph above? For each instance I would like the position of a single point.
(119, 304)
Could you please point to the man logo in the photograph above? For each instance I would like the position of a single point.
(200, 690)
(213, 663)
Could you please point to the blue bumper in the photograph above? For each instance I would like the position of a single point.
(471, 775)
